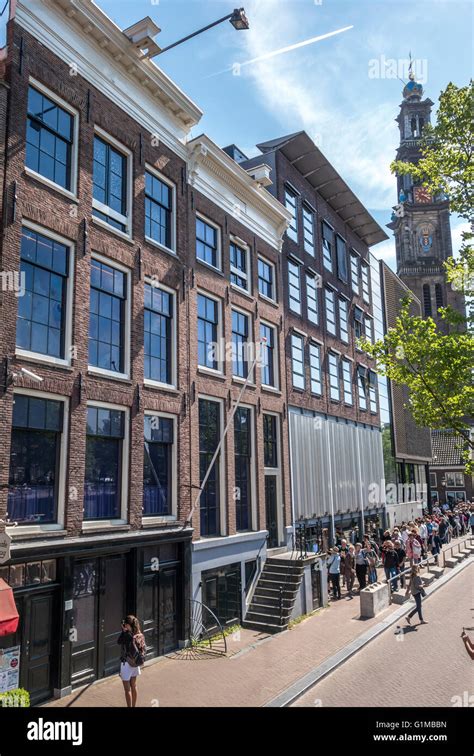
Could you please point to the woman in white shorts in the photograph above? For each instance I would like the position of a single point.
(132, 644)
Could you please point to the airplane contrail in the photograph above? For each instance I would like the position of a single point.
(283, 50)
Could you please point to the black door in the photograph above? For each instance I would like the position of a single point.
(111, 611)
(168, 609)
(38, 634)
(271, 504)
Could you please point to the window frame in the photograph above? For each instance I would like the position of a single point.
(347, 381)
(221, 484)
(21, 530)
(220, 332)
(362, 383)
(124, 469)
(309, 275)
(252, 465)
(343, 322)
(65, 361)
(340, 239)
(331, 374)
(250, 325)
(217, 228)
(174, 469)
(328, 290)
(127, 219)
(355, 279)
(72, 192)
(315, 345)
(125, 375)
(295, 335)
(171, 185)
(372, 383)
(291, 286)
(244, 247)
(365, 282)
(261, 258)
(173, 351)
(293, 230)
(327, 253)
(275, 366)
(309, 213)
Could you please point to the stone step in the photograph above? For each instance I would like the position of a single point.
(399, 597)
(466, 552)
(436, 571)
(284, 562)
(272, 600)
(428, 578)
(267, 619)
(273, 611)
(280, 578)
(277, 584)
(278, 569)
(263, 627)
(451, 562)
(262, 590)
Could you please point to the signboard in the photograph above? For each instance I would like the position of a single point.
(5, 542)
(9, 668)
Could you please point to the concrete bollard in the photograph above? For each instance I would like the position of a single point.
(374, 599)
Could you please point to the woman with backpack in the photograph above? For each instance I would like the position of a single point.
(132, 657)
(415, 587)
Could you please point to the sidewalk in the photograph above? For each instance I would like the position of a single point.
(257, 669)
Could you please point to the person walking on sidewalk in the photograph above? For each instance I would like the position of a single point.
(415, 587)
(361, 563)
(132, 657)
(349, 569)
(334, 571)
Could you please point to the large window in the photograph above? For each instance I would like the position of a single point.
(343, 320)
(49, 139)
(243, 472)
(270, 440)
(362, 386)
(358, 326)
(266, 279)
(158, 468)
(297, 361)
(315, 369)
(159, 210)
(312, 298)
(110, 184)
(104, 451)
(347, 381)
(364, 268)
(34, 460)
(268, 355)
(369, 328)
(240, 346)
(372, 381)
(158, 334)
(330, 311)
(355, 278)
(294, 287)
(207, 243)
(333, 366)
(308, 229)
(108, 296)
(427, 301)
(41, 321)
(208, 325)
(328, 246)
(341, 258)
(209, 435)
(239, 266)
(291, 204)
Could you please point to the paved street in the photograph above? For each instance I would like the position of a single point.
(423, 665)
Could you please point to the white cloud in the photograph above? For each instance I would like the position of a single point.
(386, 251)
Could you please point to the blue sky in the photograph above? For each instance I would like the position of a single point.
(327, 88)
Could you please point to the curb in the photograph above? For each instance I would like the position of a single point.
(301, 686)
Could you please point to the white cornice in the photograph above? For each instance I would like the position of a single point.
(211, 171)
(79, 33)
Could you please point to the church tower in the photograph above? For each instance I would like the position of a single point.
(420, 221)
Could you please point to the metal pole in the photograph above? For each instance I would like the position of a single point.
(194, 34)
(221, 441)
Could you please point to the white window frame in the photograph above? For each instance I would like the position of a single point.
(152, 519)
(369, 328)
(22, 530)
(174, 357)
(251, 341)
(68, 315)
(272, 266)
(355, 276)
(332, 387)
(123, 519)
(222, 469)
(276, 375)
(343, 320)
(326, 265)
(292, 233)
(72, 192)
(330, 292)
(309, 214)
(171, 250)
(220, 335)
(362, 389)
(218, 229)
(433, 481)
(126, 220)
(253, 471)
(290, 299)
(248, 275)
(294, 336)
(348, 394)
(314, 345)
(364, 267)
(454, 478)
(127, 325)
(315, 279)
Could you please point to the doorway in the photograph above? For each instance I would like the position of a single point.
(271, 509)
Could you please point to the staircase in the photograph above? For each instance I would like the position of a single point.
(280, 581)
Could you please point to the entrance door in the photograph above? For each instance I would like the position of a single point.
(37, 638)
(271, 509)
(98, 609)
(168, 610)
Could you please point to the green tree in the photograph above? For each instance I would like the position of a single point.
(434, 365)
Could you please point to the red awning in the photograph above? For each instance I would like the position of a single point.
(8, 611)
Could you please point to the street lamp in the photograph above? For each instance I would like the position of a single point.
(237, 18)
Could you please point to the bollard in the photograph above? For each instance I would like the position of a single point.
(374, 599)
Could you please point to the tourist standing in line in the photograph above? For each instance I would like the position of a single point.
(361, 563)
(349, 569)
(334, 572)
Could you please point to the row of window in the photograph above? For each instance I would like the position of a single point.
(340, 373)
(334, 248)
(38, 460)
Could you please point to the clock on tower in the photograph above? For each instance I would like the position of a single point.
(422, 195)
